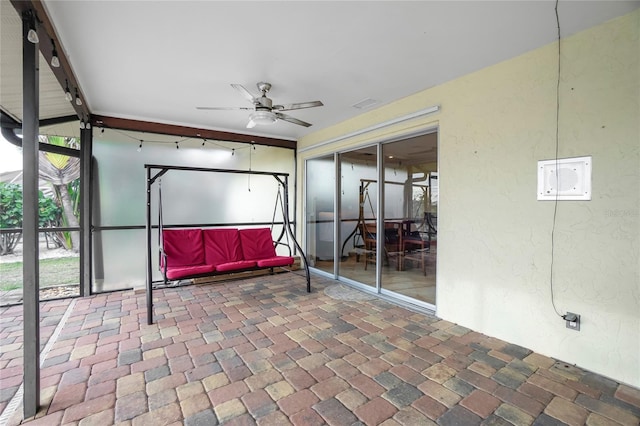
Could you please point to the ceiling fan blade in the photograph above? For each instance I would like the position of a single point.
(290, 119)
(244, 92)
(299, 105)
(226, 108)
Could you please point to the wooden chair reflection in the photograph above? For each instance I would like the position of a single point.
(370, 241)
(415, 247)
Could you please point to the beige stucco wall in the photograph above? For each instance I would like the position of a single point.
(494, 237)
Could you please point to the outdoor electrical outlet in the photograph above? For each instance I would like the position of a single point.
(573, 321)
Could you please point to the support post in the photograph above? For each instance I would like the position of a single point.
(86, 149)
(148, 256)
(30, 235)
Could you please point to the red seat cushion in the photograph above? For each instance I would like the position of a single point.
(276, 261)
(178, 272)
(257, 243)
(184, 247)
(235, 266)
(222, 246)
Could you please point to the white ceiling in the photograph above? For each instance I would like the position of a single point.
(158, 60)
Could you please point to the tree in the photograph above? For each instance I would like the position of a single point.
(61, 171)
(49, 214)
(10, 216)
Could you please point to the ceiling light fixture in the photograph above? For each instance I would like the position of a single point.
(82, 124)
(67, 93)
(262, 118)
(88, 123)
(55, 61)
(78, 100)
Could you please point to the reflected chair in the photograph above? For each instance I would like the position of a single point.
(370, 242)
(415, 248)
(431, 219)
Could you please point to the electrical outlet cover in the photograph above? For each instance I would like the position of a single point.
(573, 325)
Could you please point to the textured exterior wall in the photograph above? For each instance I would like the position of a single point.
(494, 239)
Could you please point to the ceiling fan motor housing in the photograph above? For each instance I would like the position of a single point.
(263, 103)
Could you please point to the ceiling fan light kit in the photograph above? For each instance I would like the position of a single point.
(262, 118)
(264, 112)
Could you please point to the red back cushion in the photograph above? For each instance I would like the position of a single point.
(221, 246)
(183, 247)
(257, 243)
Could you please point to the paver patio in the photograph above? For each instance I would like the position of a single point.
(263, 351)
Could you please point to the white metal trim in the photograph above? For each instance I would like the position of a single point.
(378, 126)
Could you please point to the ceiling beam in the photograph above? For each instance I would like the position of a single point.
(6, 121)
(192, 132)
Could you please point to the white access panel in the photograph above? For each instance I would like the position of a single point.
(564, 179)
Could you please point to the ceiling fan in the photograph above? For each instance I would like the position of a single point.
(264, 112)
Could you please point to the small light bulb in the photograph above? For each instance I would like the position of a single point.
(67, 93)
(82, 124)
(55, 61)
(32, 36)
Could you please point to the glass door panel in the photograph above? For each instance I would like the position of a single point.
(409, 168)
(358, 212)
(320, 213)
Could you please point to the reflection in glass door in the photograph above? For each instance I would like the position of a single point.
(320, 211)
(395, 238)
(358, 212)
(410, 200)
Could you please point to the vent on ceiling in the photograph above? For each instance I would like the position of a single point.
(365, 103)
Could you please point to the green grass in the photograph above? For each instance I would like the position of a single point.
(53, 272)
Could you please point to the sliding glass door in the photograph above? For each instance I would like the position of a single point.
(356, 236)
(410, 173)
(358, 213)
(320, 213)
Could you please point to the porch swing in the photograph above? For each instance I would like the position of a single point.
(193, 252)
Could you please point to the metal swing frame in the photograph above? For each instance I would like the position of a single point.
(155, 172)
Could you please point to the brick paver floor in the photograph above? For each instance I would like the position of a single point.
(263, 351)
(11, 342)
